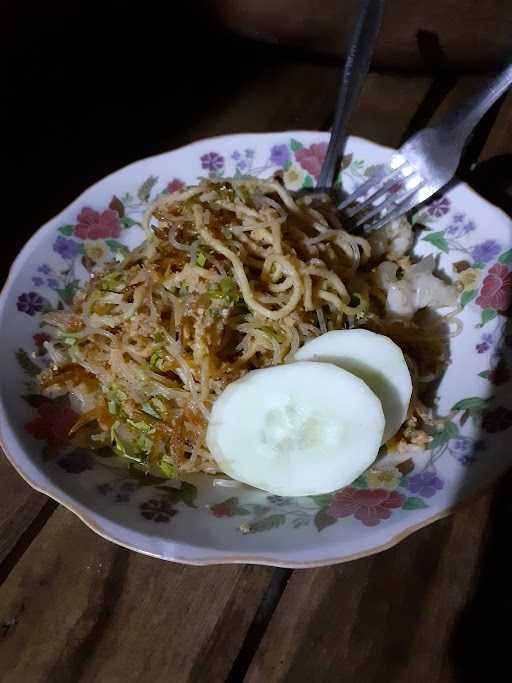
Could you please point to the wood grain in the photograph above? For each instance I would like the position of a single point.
(19, 506)
(383, 618)
(386, 106)
(78, 608)
(290, 96)
(460, 33)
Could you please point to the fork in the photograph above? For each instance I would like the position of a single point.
(423, 165)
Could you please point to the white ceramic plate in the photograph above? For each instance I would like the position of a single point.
(195, 522)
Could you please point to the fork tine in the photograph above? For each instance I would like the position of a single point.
(374, 179)
(392, 199)
(396, 161)
(393, 178)
(409, 202)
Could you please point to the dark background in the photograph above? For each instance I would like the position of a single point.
(93, 86)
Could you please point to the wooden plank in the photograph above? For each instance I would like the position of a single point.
(290, 95)
(386, 617)
(386, 106)
(302, 97)
(413, 36)
(19, 506)
(78, 608)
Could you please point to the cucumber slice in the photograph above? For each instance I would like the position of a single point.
(376, 359)
(295, 430)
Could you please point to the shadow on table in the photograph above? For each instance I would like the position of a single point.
(479, 646)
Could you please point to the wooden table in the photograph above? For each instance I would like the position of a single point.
(76, 608)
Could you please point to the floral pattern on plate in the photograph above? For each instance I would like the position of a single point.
(477, 259)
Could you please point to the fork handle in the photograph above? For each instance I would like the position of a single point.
(458, 124)
(356, 67)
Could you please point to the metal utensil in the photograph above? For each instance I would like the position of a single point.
(355, 70)
(423, 165)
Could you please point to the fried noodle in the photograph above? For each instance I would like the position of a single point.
(233, 275)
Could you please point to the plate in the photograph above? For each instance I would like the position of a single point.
(198, 523)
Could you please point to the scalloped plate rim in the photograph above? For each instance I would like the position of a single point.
(224, 557)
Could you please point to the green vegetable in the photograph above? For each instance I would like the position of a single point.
(214, 292)
(67, 339)
(144, 443)
(115, 397)
(168, 467)
(158, 361)
(229, 289)
(74, 354)
(111, 281)
(118, 393)
(155, 360)
(202, 256)
(181, 290)
(245, 194)
(117, 444)
(158, 403)
(121, 396)
(226, 289)
(141, 427)
(158, 337)
(112, 406)
(150, 410)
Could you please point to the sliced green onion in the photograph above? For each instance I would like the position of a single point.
(144, 443)
(141, 426)
(68, 339)
(149, 410)
(167, 467)
(200, 258)
(112, 406)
